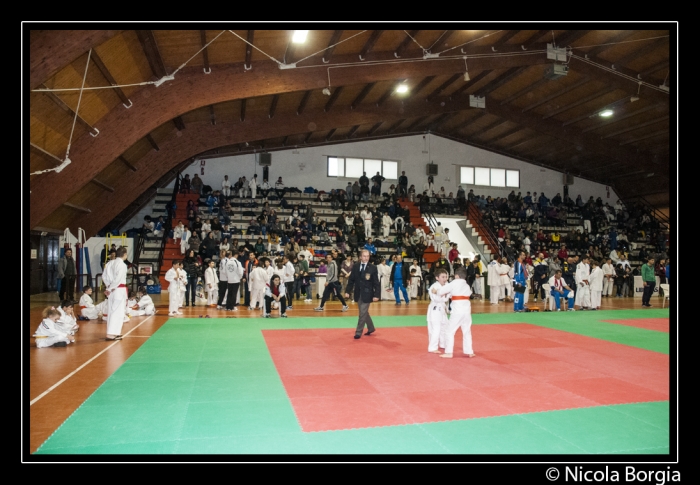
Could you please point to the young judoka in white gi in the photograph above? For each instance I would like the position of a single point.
(506, 283)
(174, 277)
(437, 313)
(66, 321)
(87, 307)
(48, 334)
(183, 285)
(494, 280)
(132, 303)
(416, 278)
(583, 289)
(185, 240)
(596, 285)
(102, 309)
(144, 304)
(211, 284)
(461, 317)
(257, 280)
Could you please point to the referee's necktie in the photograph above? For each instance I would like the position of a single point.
(362, 268)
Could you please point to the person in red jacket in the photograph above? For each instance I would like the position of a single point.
(453, 254)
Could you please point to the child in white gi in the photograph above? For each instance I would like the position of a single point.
(596, 285)
(416, 278)
(176, 288)
(437, 313)
(461, 317)
(66, 322)
(132, 303)
(144, 303)
(211, 284)
(87, 307)
(256, 285)
(48, 334)
(583, 289)
(494, 280)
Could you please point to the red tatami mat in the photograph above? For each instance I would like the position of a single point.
(335, 382)
(658, 324)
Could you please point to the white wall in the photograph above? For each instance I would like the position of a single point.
(308, 167)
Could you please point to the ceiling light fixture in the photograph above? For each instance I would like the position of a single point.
(402, 88)
(326, 91)
(466, 70)
(606, 113)
(299, 36)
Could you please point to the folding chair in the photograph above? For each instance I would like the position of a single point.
(548, 296)
(666, 290)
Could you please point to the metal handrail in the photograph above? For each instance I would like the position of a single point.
(656, 214)
(475, 217)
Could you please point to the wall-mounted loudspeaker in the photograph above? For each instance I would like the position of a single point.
(431, 169)
(568, 179)
(264, 159)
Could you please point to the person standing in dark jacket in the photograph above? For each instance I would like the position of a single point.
(193, 268)
(364, 284)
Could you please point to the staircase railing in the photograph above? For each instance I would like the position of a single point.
(476, 219)
(656, 214)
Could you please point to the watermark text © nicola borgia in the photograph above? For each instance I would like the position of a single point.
(630, 474)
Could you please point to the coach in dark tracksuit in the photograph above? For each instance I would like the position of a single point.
(364, 280)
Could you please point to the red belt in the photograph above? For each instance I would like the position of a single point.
(459, 297)
(121, 286)
(81, 307)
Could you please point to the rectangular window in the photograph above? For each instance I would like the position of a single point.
(466, 175)
(498, 177)
(390, 170)
(513, 178)
(354, 167)
(489, 177)
(482, 176)
(336, 167)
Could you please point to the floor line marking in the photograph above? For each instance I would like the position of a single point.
(34, 401)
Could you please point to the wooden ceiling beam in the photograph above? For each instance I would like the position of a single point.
(308, 137)
(179, 123)
(250, 38)
(302, 103)
(243, 104)
(645, 137)
(416, 89)
(512, 131)
(102, 185)
(384, 97)
(555, 95)
(273, 106)
(507, 76)
(395, 125)
(635, 127)
(472, 82)
(334, 97)
(374, 128)
(205, 52)
(440, 120)
(398, 52)
(441, 38)
(358, 99)
(153, 143)
(473, 119)
(352, 131)
(331, 45)
(488, 127)
(110, 79)
(579, 102)
(415, 123)
(67, 109)
(330, 134)
(150, 50)
(212, 115)
(52, 50)
(44, 154)
(442, 87)
(127, 163)
(609, 121)
(77, 207)
(370, 43)
(525, 90)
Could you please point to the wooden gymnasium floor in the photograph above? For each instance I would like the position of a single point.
(61, 379)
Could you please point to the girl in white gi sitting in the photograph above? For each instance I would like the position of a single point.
(87, 307)
(144, 303)
(66, 321)
(48, 334)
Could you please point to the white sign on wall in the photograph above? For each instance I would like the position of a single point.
(639, 287)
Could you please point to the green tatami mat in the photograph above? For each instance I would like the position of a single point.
(212, 388)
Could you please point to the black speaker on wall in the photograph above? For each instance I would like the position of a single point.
(431, 169)
(264, 159)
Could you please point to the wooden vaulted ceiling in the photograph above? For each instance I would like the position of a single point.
(234, 91)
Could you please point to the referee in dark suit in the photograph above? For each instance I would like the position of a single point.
(364, 280)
